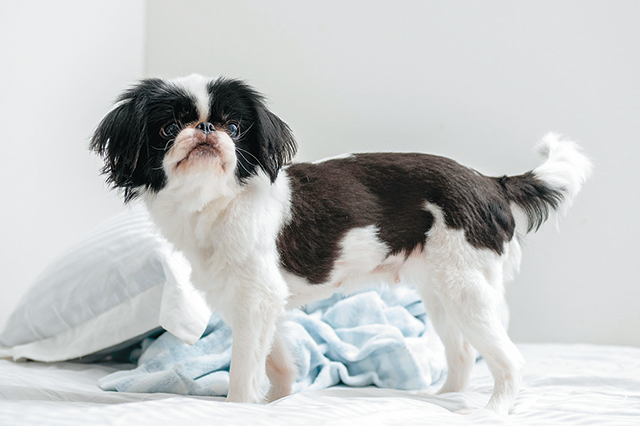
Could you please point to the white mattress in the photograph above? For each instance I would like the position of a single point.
(563, 384)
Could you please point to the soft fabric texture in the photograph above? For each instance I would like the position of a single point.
(573, 385)
(377, 338)
(119, 283)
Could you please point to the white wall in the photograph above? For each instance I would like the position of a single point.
(478, 81)
(63, 62)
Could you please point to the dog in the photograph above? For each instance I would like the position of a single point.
(263, 235)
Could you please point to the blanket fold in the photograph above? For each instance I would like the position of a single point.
(379, 337)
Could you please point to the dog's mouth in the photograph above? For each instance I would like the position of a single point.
(200, 150)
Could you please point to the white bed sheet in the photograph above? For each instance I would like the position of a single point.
(563, 384)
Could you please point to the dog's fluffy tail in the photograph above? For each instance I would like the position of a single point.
(551, 186)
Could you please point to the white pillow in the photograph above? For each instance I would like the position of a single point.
(121, 282)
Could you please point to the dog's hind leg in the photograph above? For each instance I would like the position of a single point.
(475, 307)
(468, 283)
(460, 355)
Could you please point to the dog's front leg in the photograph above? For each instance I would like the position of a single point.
(253, 322)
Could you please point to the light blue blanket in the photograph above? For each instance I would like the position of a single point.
(380, 338)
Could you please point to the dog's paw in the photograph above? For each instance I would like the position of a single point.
(276, 393)
(431, 391)
(501, 410)
(246, 397)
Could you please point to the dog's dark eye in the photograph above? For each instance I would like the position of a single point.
(170, 130)
(233, 130)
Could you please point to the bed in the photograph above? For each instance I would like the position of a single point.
(563, 384)
(118, 335)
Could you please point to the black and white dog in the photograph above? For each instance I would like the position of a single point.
(211, 163)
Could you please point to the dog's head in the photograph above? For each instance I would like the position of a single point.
(188, 133)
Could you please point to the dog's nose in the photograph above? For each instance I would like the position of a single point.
(206, 127)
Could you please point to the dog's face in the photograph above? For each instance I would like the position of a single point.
(190, 132)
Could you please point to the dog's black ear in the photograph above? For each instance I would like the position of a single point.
(277, 146)
(121, 140)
